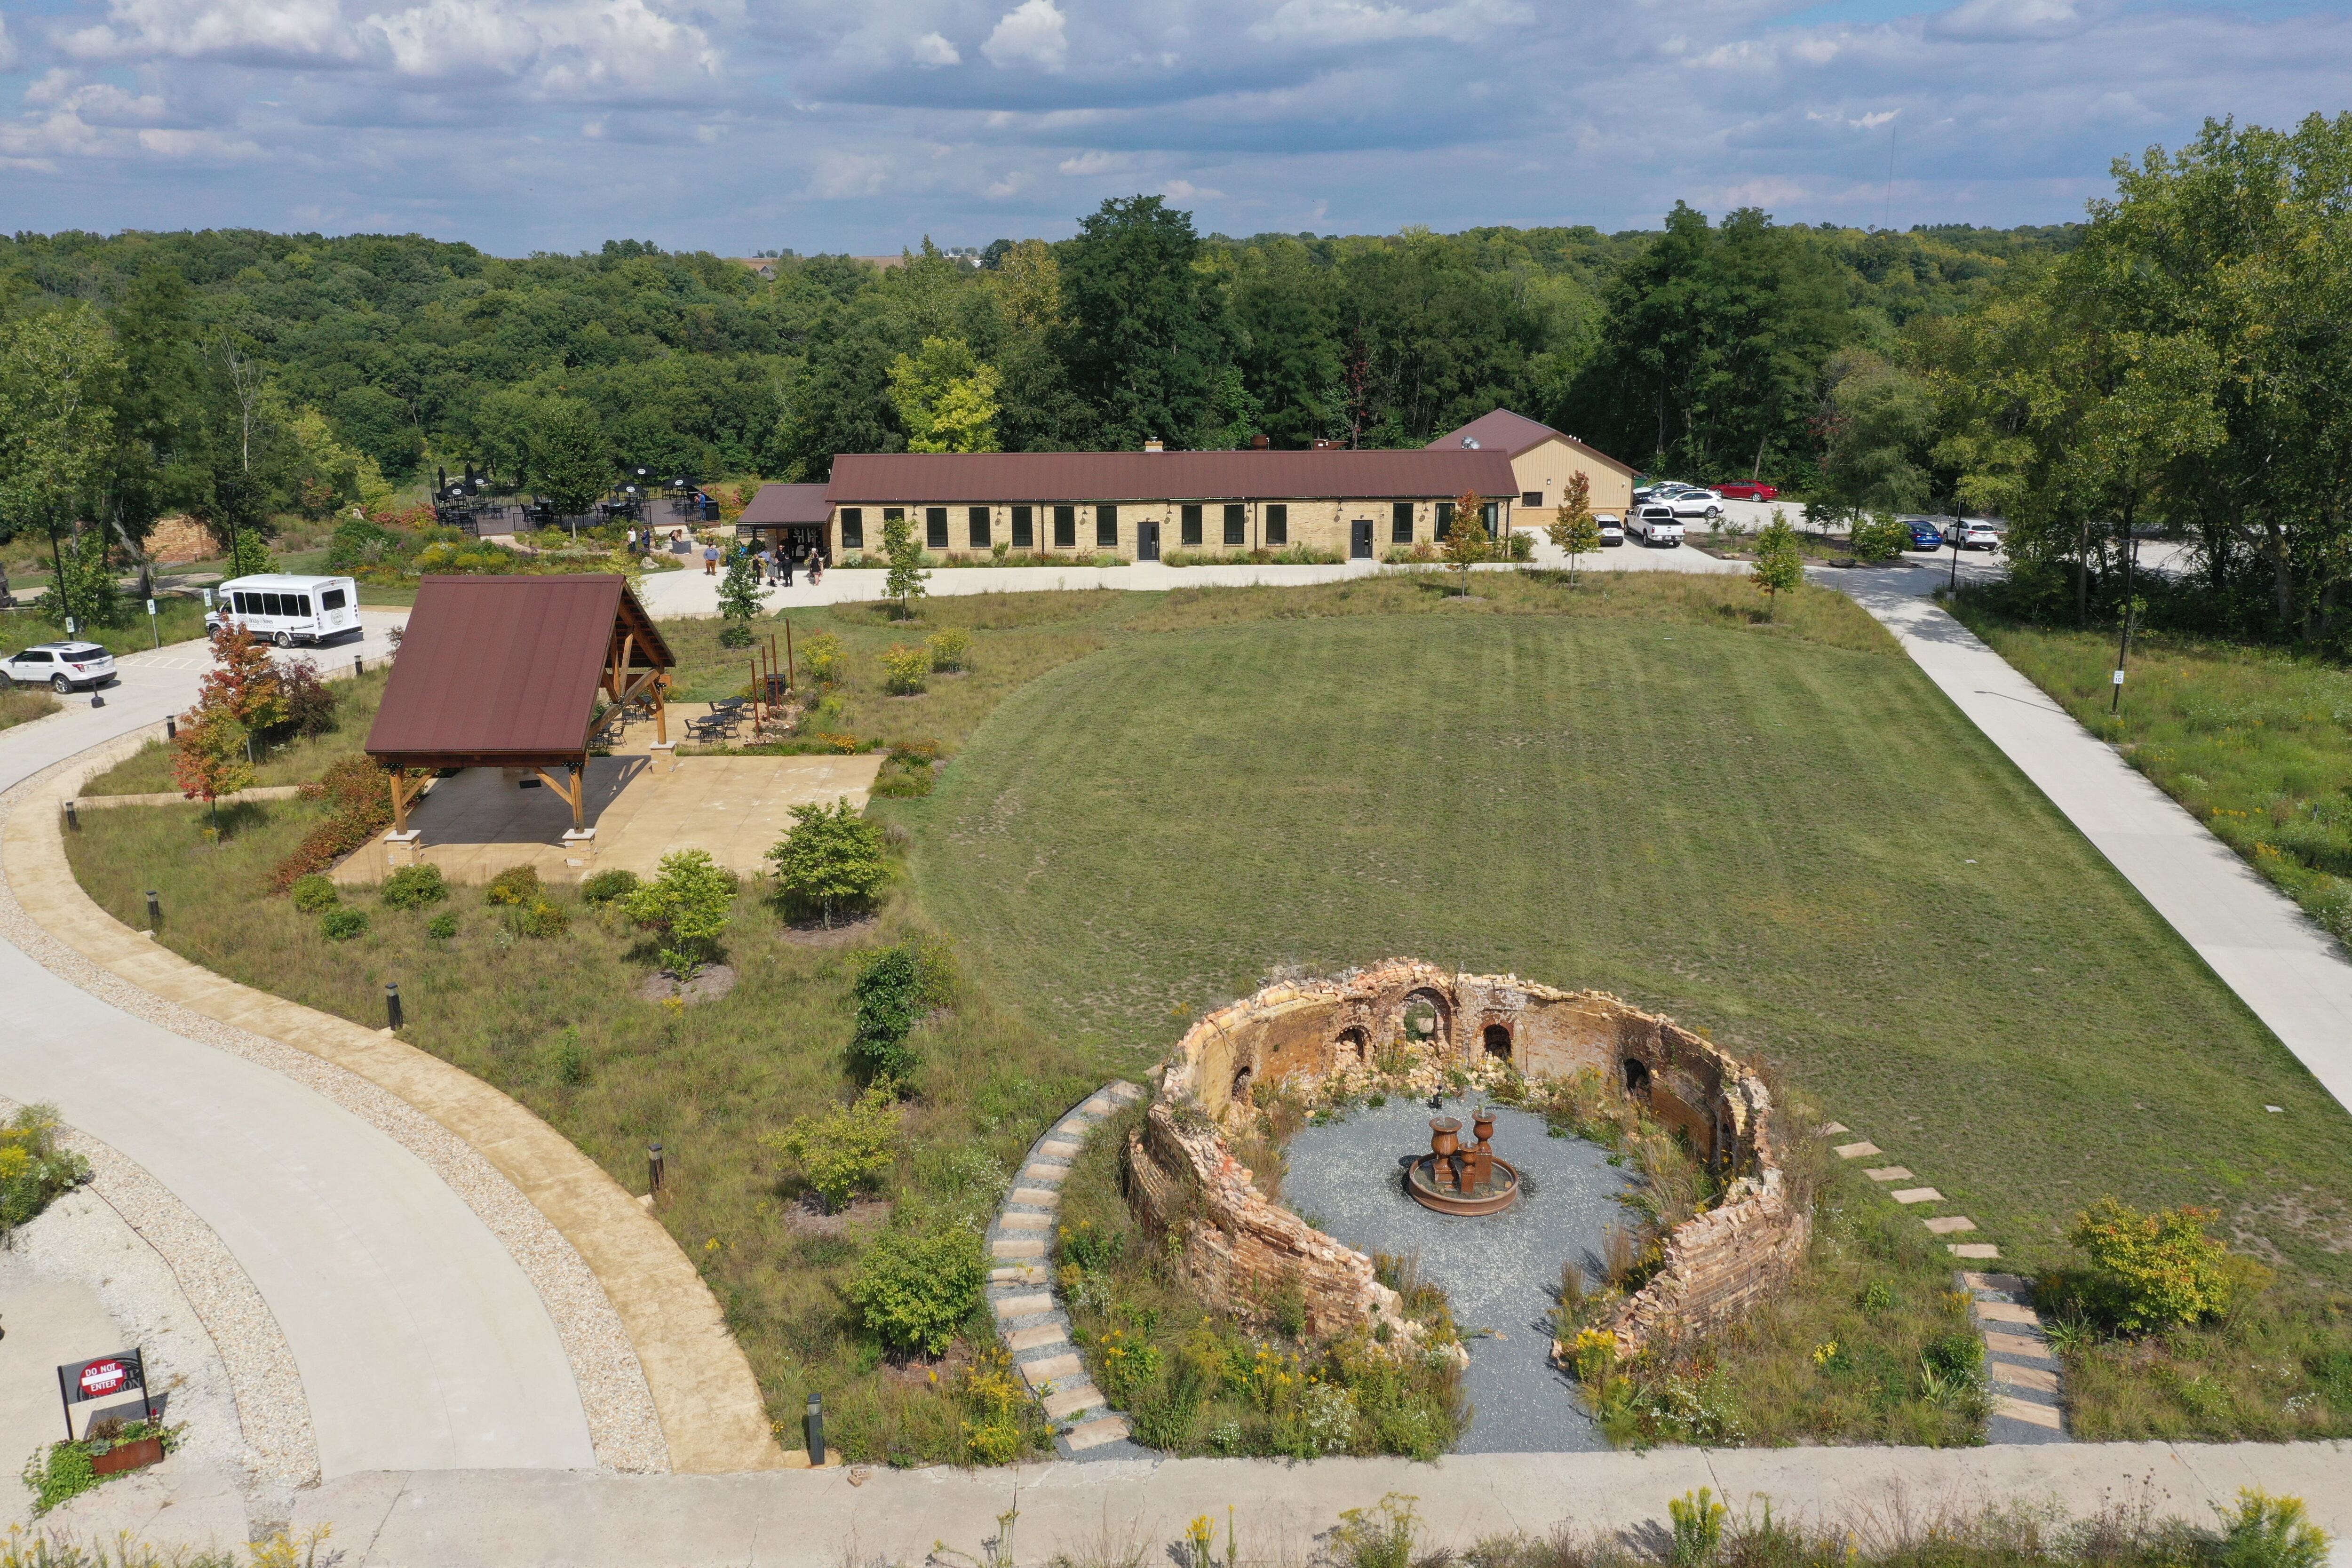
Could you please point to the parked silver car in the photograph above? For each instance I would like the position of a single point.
(60, 665)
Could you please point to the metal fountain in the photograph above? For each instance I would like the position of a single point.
(1452, 1179)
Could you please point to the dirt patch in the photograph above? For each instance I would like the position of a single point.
(708, 985)
(805, 1216)
(914, 1371)
(841, 933)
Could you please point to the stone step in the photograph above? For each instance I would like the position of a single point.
(1052, 1368)
(2006, 1312)
(1917, 1195)
(1889, 1174)
(1056, 1149)
(2043, 1415)
(1950, 1223)
(1040, 1197)
(1068, 1402)
(1100, 1105)
(1023, 1306)
(2018, 1345)
(1125, 1090)
(1976, 1282)
(1856, 1151)
(1829, 1127)
(1976, 1251)
(1044, 1334)
(1018, 1274)
(1018, 1246)
(1015, 1220)
(1096, 1432)
(1056, 1175)
(2041, 1379)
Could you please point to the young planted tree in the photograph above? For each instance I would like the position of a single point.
(209, 758)
(1572, 528)
(831, 855)
(1779, 565)
(690, 903)
(905, 553)
(741, 597)
(571, 456)
(243, 682)
(1467, 542)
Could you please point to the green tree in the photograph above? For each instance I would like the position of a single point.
(58, 369)
(1879, 424)
(946, 398)
(1467, 542)
(905, 553)
(742, 595)
(570, 457)
(1780, 564)
(1573, 529)
(690, 901)
(832, 855)
(1142, 340)
(914, 1290)
(1877, 536)
(210, 759)
(847, 1147)
(88, 583)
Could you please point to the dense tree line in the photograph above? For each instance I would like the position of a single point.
(236, 375)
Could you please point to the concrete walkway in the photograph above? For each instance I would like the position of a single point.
(1137, 1510)
(2285, 969)
(420, 1341)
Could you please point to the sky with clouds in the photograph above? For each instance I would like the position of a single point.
(861, 125)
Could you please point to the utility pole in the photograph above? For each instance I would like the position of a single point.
(2123, 649)
(1953, 539)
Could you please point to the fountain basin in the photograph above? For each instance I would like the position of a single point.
(1433, 1189)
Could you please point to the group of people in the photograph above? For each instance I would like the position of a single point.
(776, 566)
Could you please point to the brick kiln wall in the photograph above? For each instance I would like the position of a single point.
(1239, 1245)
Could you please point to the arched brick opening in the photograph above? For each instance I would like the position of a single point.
(1637, 1077)
(1241, 1077)
(1355, 1047)
(1425, 1003)
(1497, 1040)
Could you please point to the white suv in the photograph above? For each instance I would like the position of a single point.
(1653, 522)
(1972, 534)
(60, 665)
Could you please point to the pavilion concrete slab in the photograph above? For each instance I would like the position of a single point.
(2285, 969)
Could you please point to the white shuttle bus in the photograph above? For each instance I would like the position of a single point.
(287, 609)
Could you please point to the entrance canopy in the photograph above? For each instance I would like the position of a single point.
(505, 672)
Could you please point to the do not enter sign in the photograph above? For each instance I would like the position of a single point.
(103, 1377)
(100, 1377)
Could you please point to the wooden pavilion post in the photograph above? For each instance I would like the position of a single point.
(399, 777)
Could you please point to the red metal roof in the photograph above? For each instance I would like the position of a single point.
(877, 478)
(778, 504)
(504, 670)
(1514, 434)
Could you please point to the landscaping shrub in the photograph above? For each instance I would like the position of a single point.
(310, 702)
(914, 1290)
(2268, 1532)
(414, 886)
(517, 886)
(820, 658)
(605, 887)
(343, 924)
(904, 668)
(895, 985)
(1879, 538)
(950, 649)
(1004, 1425)
(541, 917)
(360, 790)
(568, 1058)
(690, 902)
(33, 1169)
(846, 1148)
(315, 893)
(2152, 1272)
(831, 855)
(443, 926)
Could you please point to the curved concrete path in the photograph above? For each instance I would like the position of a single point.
(2284, 967)
(420, 1341)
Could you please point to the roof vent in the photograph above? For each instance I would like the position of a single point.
(1321, 445)
(1155, 444)
(1261, 443)
(1470, 443)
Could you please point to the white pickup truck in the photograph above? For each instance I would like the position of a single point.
(1653, 522)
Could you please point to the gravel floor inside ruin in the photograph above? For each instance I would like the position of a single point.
(1502, 1271)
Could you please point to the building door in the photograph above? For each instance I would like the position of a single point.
(1146, 541)
(1359, 546)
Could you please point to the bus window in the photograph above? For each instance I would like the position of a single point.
(243, 602)
(302, 603)
(333, 599)
(270, 604)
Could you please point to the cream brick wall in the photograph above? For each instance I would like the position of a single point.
(1546, 468)
(1313, 524)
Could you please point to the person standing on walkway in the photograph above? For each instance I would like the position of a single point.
(784, 564)
(709, 560)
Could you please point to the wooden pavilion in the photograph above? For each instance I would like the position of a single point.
(505, 672)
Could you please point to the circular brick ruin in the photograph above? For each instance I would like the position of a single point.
(1239, 1250)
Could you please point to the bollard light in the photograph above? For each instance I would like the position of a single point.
(359, 665)
(655, 1167)
(392, 1003)
(73, 817)
(171, 729)
(154, 910)
(815, 1430)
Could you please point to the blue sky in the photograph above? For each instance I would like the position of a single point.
(738, 125)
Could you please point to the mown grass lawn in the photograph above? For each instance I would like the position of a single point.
(1800, 847)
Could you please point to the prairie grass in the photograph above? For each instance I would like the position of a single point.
(179, 617)
(22, 704)
(148, 771)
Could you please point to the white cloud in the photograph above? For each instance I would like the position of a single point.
(1012, 184)
(8, 47)
(932, 51)
(1186, 191)
(839, 176)
(1340, 22)
(1995, 20)
(1091, 163)
(1029, 35)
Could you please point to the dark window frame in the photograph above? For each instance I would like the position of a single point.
(1445, 518)
(1066, 528)
(1400, 522)
(1107, 525)
(852, 528)
(935, 528)
(980, 526)
(1531, 498)
(1189, 529)
(1277, 522)
(1237, 523)
(1025, 528)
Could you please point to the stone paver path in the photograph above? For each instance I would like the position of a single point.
(1020, 1285)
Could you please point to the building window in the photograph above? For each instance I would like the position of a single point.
(1400, 522)
(1105, 527)
(1192, 525)
(1444, 518)
(1024, 530)
(1531, 498)
(935, 527)
(1490, 514)
(1236, 523)
(978, 516)
(852, 528)
(1066, 528)
(1277, 523)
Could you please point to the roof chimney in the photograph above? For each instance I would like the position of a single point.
(1260, 443)
(1470, 443)
(1322, 445)
(1154, 445)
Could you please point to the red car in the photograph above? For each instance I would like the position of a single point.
(1747, 490)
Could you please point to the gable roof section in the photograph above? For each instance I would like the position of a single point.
(915, 478)
(1513, 434)
(779, 504)
(504, 670)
